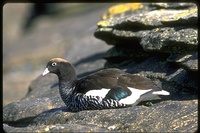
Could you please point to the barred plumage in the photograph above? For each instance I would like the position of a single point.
(109, 88)
(79, 102)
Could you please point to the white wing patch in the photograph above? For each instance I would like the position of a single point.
(101, 93)
(134, 96)
(162, 92)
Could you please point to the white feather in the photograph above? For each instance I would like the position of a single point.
(162, 92)
(101, 93)
(137, 93)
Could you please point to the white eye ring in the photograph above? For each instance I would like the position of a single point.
(54, 64)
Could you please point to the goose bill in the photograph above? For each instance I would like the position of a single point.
(46, 71)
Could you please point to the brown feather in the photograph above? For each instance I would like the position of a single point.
(112, 79)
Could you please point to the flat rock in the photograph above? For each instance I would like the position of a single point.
(157, 116)
(121, 53)
(171, 40)
(121, 10)
(168, 30)
(55, 128)
(187, 61)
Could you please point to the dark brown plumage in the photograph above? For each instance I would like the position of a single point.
(109, 88)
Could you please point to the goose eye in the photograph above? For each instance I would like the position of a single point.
(54, 64)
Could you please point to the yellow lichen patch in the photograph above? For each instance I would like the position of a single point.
(103, 23)
(121, 9)
(156, 29)
(184, 14)
(181, 14)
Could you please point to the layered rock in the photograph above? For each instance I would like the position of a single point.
(164, 31)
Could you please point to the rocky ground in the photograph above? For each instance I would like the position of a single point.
(156, 40)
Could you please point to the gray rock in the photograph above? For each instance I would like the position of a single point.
(55, 128)
(169, 40)
(121, 53)
(174, 40)
(48, 87)
(187, 61)
(25, 109)
(136, 27)
(172, 5)
(163, 116)
(169, 32)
